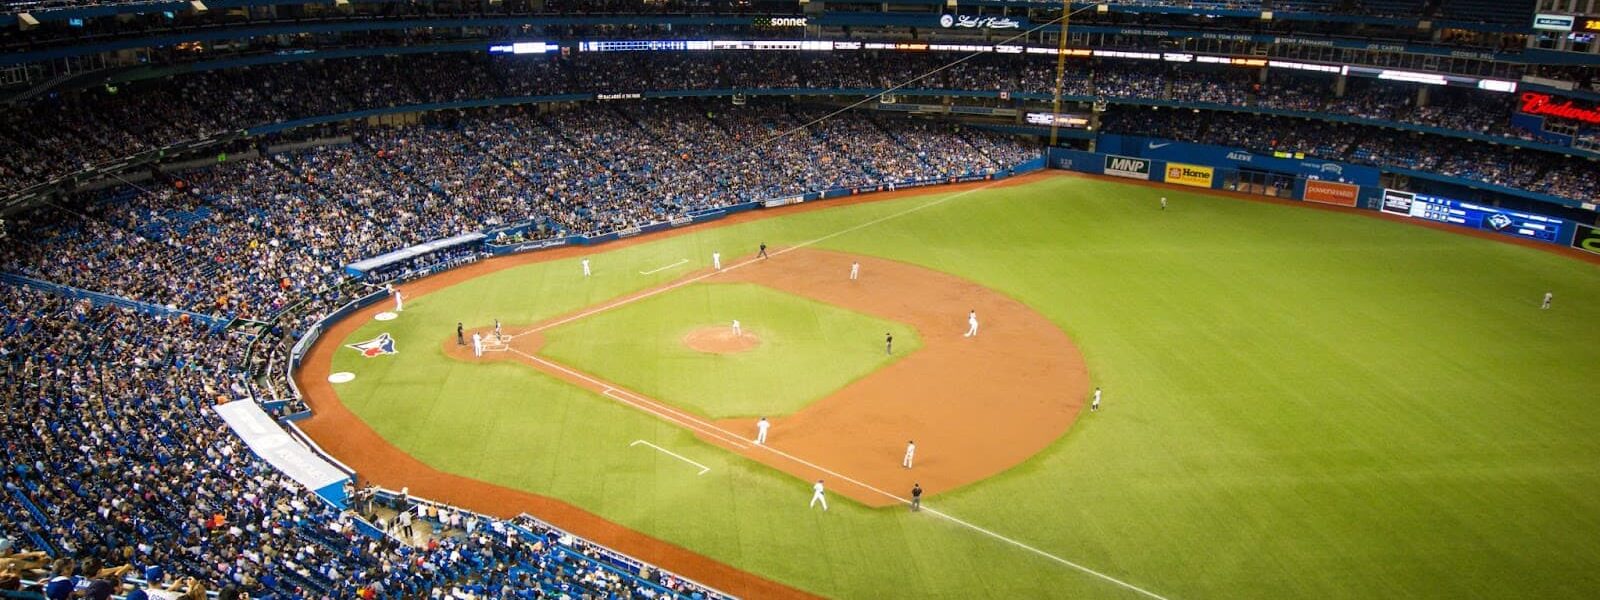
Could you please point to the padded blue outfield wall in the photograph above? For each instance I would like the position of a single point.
(1367, 196)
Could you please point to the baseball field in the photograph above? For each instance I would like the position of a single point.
(1298, 402)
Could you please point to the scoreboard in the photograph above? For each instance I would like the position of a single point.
(1466, 214)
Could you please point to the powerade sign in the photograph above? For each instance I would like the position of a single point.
(1587, 239)
(1128, 166)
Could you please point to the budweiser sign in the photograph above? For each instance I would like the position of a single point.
(1535, 103)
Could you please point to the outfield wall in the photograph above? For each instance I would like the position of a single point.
(1323, 182)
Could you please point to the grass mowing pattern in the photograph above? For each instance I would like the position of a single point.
(808, 349)
(1299, 404)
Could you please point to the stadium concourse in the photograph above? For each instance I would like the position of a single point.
(115, 458)
(58, 135)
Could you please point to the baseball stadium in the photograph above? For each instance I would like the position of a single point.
(721, 299)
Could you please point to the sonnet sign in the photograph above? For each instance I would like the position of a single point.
(1535, 103)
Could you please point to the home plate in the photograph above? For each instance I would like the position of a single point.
(341, 377)
(386, 316)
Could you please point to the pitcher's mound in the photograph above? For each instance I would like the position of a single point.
(720, 340)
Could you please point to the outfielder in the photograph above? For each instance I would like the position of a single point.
(477, 344)
(855, 270)
(1095, 405)
(761, 430)
(972, 323)
(816, 496)
(585, 267)
(737, 332)
(1548, 296)
(716, 260)
(1163, 203)
(911, 450)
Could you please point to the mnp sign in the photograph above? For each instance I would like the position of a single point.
(1193, 175)
(1328, 192)
(1128, 166)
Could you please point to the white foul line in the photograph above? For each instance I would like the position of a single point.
(667, 288)
(654, 271)
(694, 423)
(703, 468)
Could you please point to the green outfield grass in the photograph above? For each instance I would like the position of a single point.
(808, 349)
(1299, 404)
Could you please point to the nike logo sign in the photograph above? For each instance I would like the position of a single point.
(1154, 145)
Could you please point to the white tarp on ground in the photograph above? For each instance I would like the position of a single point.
(274, 445)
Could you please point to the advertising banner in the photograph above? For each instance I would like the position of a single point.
(1223, 157)
(1587, 239)
(1396, 202)
(274, 445)
(1127, 166)
(1328, 192)
(1191, 175)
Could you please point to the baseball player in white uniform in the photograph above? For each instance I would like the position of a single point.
(761, 430)
(1095, 405)
(911, 451)
(477, 344)
(816, 496)
(972, 323)
(585, 267)
(1163, 203)
(716, 260)
(1548, 296)
(855, 270)
(399, 301)
(737, 332)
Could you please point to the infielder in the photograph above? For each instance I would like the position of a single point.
(911, 450)
(816, 496)
(1548, 296)
(585, 267)
(763, 253)
(716, 260)
(761, 430)
(972, 323)
(737, 332)
(855, 270)
(1095, 405)
(888, 343)
(477, 344)
(399, 301)
(1163, 203)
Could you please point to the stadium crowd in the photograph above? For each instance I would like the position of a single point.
(59, 135)
(248, 238)
(118, 468)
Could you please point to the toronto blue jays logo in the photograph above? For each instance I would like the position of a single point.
(383, 344)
